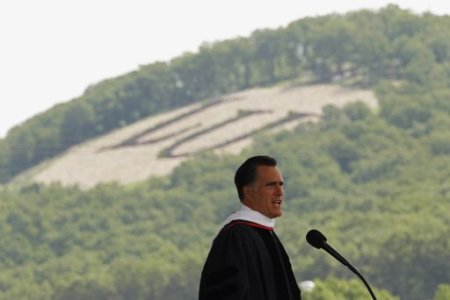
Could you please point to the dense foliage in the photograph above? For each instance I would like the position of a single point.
(365, 46)
(376, 183)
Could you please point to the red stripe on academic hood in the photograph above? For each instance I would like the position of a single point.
(252, 224)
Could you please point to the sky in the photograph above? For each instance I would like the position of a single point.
(52, 50)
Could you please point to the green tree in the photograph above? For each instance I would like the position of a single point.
(443, 292)
(337, 289)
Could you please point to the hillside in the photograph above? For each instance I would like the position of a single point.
(360, 49)
(373, 177)
(376, 183)
(155, 145)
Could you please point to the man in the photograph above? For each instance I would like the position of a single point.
(247, 261)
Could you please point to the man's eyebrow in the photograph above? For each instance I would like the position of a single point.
(270, 183)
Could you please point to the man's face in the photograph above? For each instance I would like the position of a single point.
(265, 194)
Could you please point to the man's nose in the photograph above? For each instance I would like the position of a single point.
(279, 189)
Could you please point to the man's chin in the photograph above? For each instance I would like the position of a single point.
(277, 214)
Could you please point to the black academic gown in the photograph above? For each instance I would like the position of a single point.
(247, 262)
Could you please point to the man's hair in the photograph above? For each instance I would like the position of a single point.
(246, 173)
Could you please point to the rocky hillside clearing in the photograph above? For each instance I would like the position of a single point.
(154, 146)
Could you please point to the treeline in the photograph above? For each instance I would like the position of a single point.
(376, 183)
(361, 47)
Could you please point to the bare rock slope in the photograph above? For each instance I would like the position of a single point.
(154, 146)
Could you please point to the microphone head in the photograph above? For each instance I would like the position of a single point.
(315, 238)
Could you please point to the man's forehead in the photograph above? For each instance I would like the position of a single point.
(268, 172)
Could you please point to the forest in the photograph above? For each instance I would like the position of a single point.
(375, 182)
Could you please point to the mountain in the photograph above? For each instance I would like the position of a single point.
(373, 177)
(359, 49)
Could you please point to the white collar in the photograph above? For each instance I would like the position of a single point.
(248, 214)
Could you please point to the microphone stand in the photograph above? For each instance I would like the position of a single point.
(319, 241)
(353, 269)
(325, 246)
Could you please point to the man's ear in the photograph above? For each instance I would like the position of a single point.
(246, 190)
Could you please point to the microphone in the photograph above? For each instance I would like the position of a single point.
(316, 239)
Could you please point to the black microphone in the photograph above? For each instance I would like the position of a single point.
(316, 239)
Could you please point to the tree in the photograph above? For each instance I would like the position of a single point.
(338, 289)
(443, 292)
(78, 123)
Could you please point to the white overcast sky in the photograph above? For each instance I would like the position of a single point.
(51, 50)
